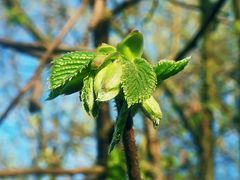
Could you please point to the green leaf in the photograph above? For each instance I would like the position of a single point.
(104, 53)
(68, 66)
(119, 126)
(131, 46)
(167, 68)
(72, 86)
(138, 80)
(106, 49)
(87, 96)
(107, 81)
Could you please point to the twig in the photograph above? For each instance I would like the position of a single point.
(27, 24)
(56, 171)
(215, 10)
(130, 150)
(124, 5)
(185, 5)
(211, 16)
(179, 109)
(44, 59)
(36, 49)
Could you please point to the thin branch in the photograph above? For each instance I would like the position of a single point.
(179, 109)
(44, 59)
(220, 18)
(36, 49)
(211, 16)
(192, 44)
(126, 4)
(151, 12)
(185, 5)
(57, 171)
(24, 20)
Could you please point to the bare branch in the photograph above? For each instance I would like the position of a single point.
(44, 59)
(193, 42)
(37, 49)
(185, 5)
(55, 171)
(124, 5)
(24, 20)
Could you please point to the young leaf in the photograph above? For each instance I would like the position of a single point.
(72, 86)
(138, 80)
(68, 66)
(167, 68)
(131, 46)
(107, 81)
(87, 96)
(106, 49)
(119, 126)
(104, 52)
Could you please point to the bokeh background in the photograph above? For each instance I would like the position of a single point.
(199, 136)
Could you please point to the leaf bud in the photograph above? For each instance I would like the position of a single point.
(152, 110)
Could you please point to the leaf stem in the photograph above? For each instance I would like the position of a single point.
(130, 150)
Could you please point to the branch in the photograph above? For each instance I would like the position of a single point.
(56, 171)
(211, 16)
(36, 49)
(179, 109)
(130, 150)
(22, 19)
(44, 59)
(185, 5)
(124, 5)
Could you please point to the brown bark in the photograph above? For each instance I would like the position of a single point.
(130, 150)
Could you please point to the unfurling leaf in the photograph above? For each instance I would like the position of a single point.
(87, 96)
(119, 126)
(68, 66)
(138, 80)
(152, 110)
(104, 52)
(106, 49)
(166, 68)
(107, 81)
(131, 46)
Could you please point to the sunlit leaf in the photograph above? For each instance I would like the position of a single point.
(87, 95)
(68, 66)
(104, 52)
(70, 87)
(138, 80)
(131, 46)
(166, 68)
(107, 81)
